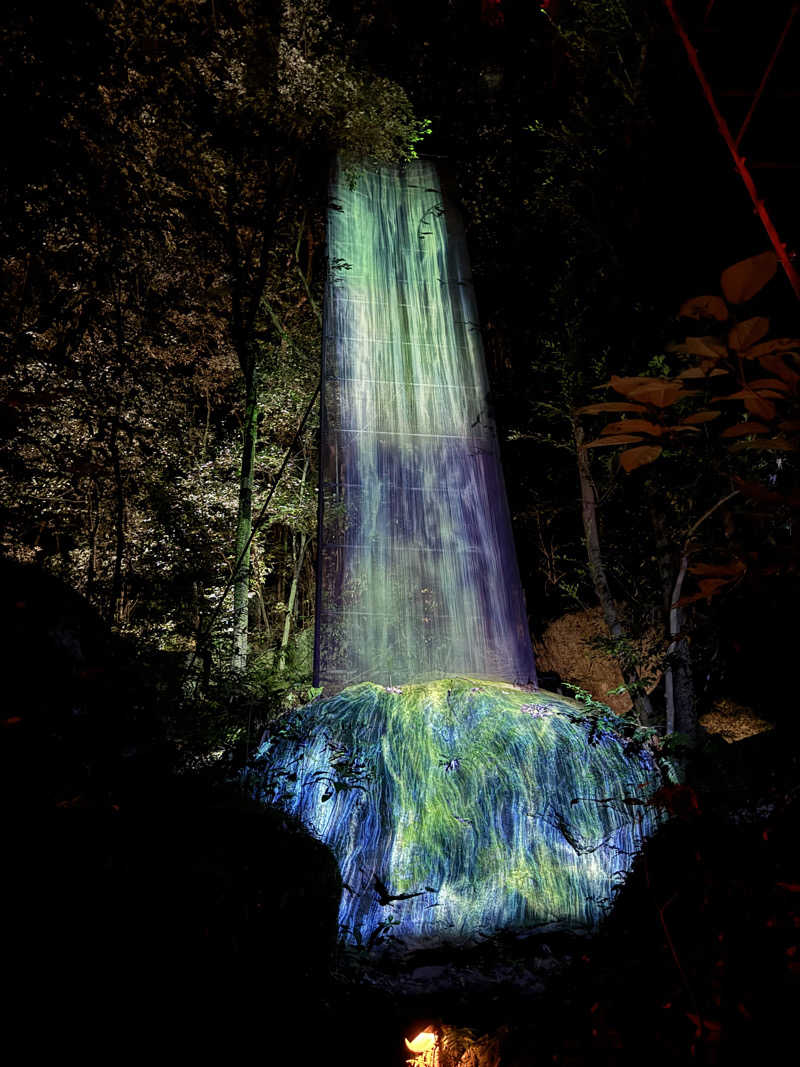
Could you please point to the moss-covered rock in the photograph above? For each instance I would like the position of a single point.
(462, 806)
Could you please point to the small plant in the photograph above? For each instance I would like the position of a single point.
(584, 697)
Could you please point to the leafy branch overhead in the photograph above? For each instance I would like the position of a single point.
(655, 410)
(736, 392)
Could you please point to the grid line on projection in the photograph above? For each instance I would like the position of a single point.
(387, 485)
(399, 381)
(385, 303)
(395, 615)
(379, 249)
(402, 344)
(383, 172)
(405, 433)
(337, 284)
(405, 548)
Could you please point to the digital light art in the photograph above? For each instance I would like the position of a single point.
(463, 806)
(418, 573)
(457, 798)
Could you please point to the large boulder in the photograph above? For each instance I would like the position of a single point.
(462, 806)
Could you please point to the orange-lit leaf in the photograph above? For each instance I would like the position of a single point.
(704, 307)
(707, 347)
(771, 444)
(701, 416)
(757, 405)
(632, 426)
(612, 405)
(742, 429)
(711, 586)
(632, 458)
(743, 280)
(660, 393)
(773, 384)
(706, 370)
(777, 365)
(747, 333)
(619, 439)
(718, 570)
(777, 344)
(627, 385)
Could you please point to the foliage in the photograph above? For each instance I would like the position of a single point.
(168, 238)
(662, 409)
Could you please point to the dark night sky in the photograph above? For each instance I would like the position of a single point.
(703, 218)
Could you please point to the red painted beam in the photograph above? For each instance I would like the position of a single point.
(739, 160)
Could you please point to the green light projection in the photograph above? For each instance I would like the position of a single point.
(453, 805)
(475, 805)
(418, 573)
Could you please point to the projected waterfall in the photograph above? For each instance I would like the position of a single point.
(457, 798)
(418, 571)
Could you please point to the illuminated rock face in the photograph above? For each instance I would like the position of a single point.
(460, 806)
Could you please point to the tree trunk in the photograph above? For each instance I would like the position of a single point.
(678, 680)
(287, 626)
(630, 675)
(259, 591)
(119, 523)
(93, 512)
(678, 677)
(244, 526)
(679, 692)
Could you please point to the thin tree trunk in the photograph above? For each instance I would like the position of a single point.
(673, 621)
(244, 525)
(119, 487)
(119, 523)
(630, 675)
(678, 676)
(93, 511)
(298, 569)
(678, 680)
(287, 626)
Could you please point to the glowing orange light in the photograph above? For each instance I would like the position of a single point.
(424, 1047)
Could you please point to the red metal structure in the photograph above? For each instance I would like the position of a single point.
(735, 39)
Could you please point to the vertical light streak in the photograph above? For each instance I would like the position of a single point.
(419, 576)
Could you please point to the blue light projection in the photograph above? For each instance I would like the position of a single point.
(455, 798)
(460, 805)
(418, 573)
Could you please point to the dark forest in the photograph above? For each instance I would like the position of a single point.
(629, 207)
